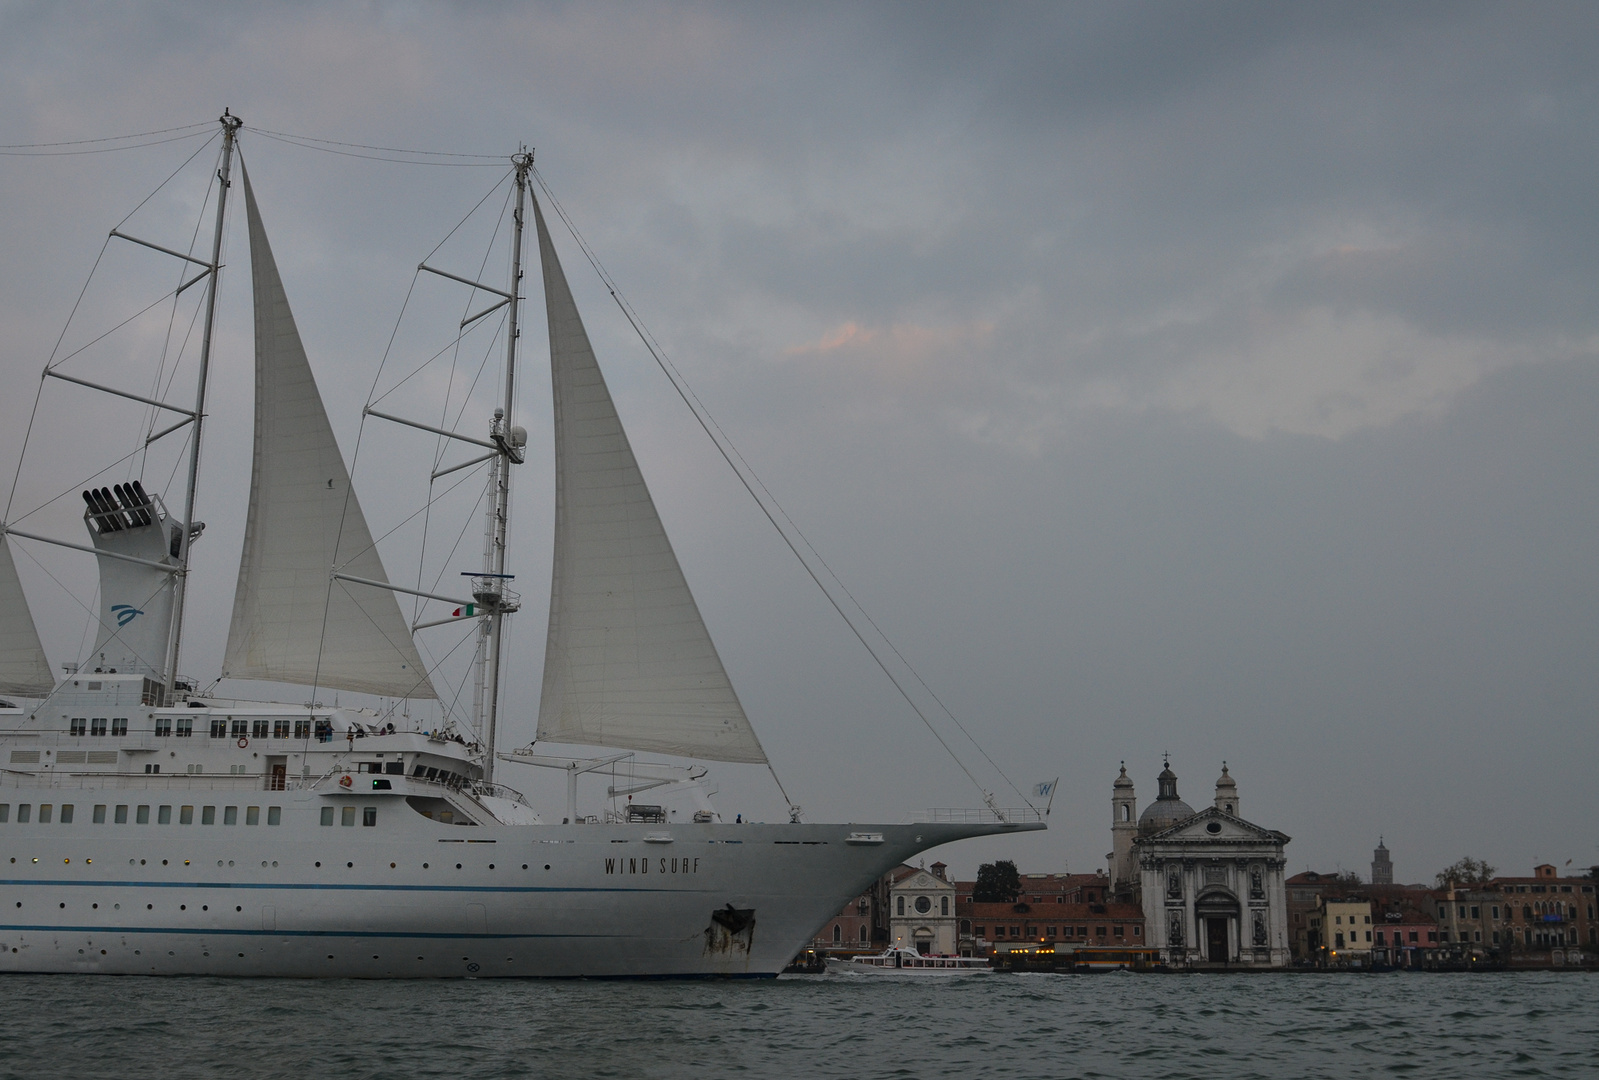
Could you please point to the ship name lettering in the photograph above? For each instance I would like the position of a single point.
(642, 866)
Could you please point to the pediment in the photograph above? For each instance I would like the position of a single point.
(1212, 826)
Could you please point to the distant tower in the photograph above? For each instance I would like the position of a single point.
(1382, 870)
(1227, 793)
(1123, 829)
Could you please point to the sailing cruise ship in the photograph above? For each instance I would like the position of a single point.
(148, 828)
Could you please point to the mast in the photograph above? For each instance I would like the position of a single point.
(230, 128)
(489, 589)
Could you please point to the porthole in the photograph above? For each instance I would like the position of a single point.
(238, 909)
(391, 866)
(524, 866)
(149, 907)
(546, 866)
(219, 862)
(163, 862)
(95, 906)
(116, 907)
(183, 907)
(458, 866)
(350, 865)
(330, 958)
(491, 866)
(424, 866)
(205, 907)
(274, 862)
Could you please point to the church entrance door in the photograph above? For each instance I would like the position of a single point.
(1216, 940)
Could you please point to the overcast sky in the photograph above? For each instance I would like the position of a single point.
(1214, 379)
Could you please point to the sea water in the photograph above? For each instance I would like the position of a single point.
(974, 1026)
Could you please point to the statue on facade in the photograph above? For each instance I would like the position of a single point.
(1260, 927)
(1174, 886)
(1257, 890)
(1174, 928)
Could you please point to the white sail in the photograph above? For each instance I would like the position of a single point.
(24, 671)
(292, 622)
(628, 662)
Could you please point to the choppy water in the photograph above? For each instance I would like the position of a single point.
(1209, 1027)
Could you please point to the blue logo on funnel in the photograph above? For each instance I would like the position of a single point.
(125, 613)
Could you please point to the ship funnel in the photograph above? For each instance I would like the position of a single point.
(135, 597)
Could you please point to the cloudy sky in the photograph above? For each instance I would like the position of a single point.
(1217, 380)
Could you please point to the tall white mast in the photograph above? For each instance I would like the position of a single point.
(230, 128)
(490, 588)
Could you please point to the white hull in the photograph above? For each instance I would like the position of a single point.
(197, 900)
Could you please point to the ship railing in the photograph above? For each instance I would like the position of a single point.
(978, 815)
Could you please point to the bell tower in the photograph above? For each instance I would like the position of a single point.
(1227, 793)
(1123, 830)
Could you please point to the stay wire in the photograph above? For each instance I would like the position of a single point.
(293, 140)
(108, 138)
(690, 400)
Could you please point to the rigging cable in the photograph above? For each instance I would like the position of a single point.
(702, 416)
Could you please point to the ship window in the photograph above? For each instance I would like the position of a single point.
(219, 727)
(142, 817)
(5, 812)
(208, 815)
(370, 767)
(78, 725)
(327, 815)
(420, 769)
(66, 814)
(433, 774)
(97, 726)
(258, 729)
(369, 816)
(163, 726)
(347, 815)
(163, 815)
(194, 769)
(23, 810)
(302, 729)
(185, 815)
(252, 815)
(274, 815)
(119, 725)
(280, 729)
(240, 727)
(44, 813)
(395, 768)
(99, 814)
(230, 814)
(185, 727)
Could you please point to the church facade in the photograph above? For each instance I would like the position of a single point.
(1210, 882)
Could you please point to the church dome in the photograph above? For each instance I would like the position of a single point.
(1167, 809)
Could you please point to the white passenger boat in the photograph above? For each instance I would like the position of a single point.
(147, 827)
(904, 960)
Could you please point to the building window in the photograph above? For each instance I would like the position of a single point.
(838, 934)
(1119, 931)
(978, 930)
(1380, 940)
(1099, 931)
(899, 905)
(1368, 935)
(1049, 931)
(923, 905)
(1496, 937)
(943, 903)
(864, 937)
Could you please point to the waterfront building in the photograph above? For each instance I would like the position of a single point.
(852, 929)
(991, 928)
(1548, 920)
(1404, 934)
(1210, 883)
(1050, 889)
(921, 910)
(1382, 868)
(1345, 931)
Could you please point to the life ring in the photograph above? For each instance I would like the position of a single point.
(345, 781)
(243, 741)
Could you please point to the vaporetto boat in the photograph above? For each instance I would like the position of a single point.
(901, 959)
(149, 828)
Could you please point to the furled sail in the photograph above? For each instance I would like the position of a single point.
(292, 622)
(628, 662)
(24, 671)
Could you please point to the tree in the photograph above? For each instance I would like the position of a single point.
(997, 883)
(1466, 871)
(1347, 877)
